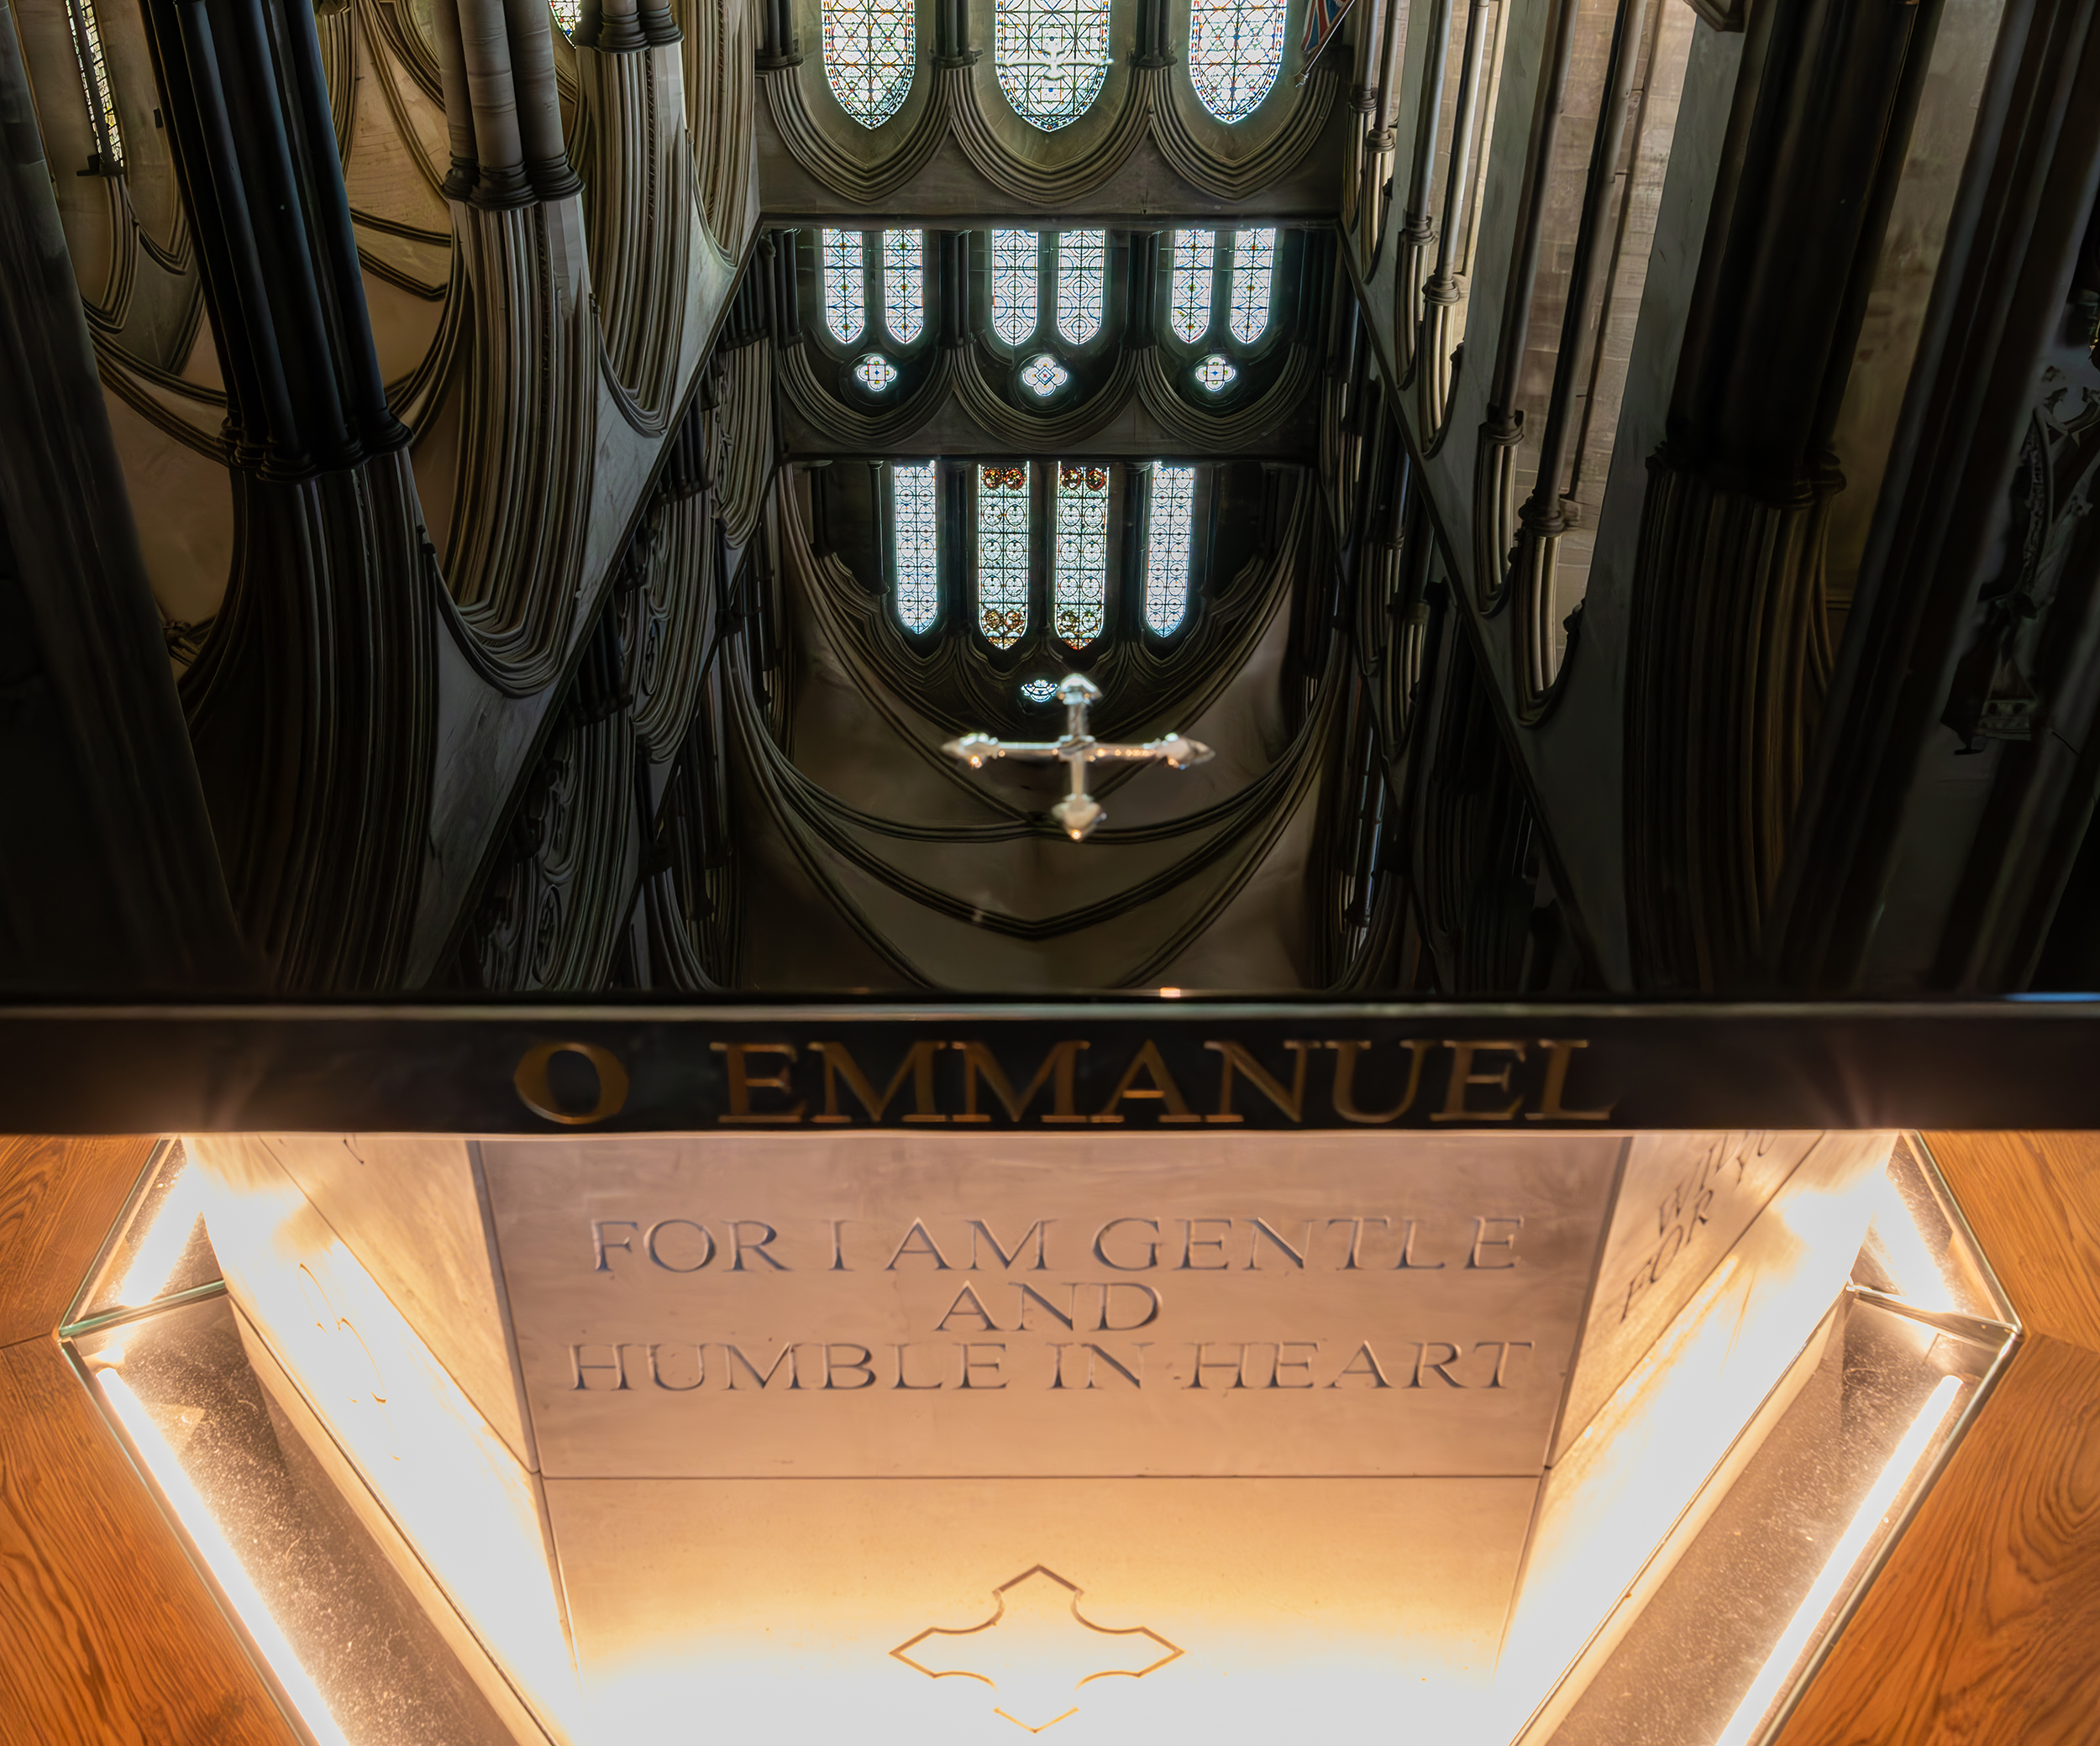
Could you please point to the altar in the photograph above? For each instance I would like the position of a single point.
(1109, 1372)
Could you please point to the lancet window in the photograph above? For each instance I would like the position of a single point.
(1002, 552)
(94, 78)
(1015, 305)
(1172, 516)
(1253, 284)
(903, 284)
(567, 13)
(845, 285)
(915, 544)
(870, 55)
(1079, 563)
(1236, 48)
(1082, 280)
(1189, 296)
(1051, 57)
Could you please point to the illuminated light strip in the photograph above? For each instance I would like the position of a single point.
(156, 1253)
(219, 1558)
(1871, 1513)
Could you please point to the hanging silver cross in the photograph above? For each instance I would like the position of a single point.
(1078, 812)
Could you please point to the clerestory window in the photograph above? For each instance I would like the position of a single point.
(1016, 298)
(1002, 552)
(1189, 294)
(903, 284)
(870, 55)
(1236, 49)
(1082, 283)
(1080, 561)
(845, 285)
(1051, 57)
(915, 544)
(1171, 513)
(94, 79)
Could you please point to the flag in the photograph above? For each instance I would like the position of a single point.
(1322, 17)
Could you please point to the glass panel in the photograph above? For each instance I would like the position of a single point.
(845, 288)
(1236, 48)
(1038, 690)
(1045, 375)
(1051, 57)
(1002, 553)
(567, 13)
(1189, 299)
(903, 284)
(94, 77)
(1014, 288)
(1216, 372)
(915, 542)
(1174, 507)
(875, 372)
(871, 52)
(1082, 276)
(1253, 278)
(1082, 552)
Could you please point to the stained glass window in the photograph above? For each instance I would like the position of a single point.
(845, 289)
(1216, 372)
(1080, 594)
(1188, 297)
(1253, 275)
(1015, 304)
(1236, 48)
(1082, 277)
(1038, 690)
(1174, 507)
(1002, 552)
(871, 52)
(1045, 375)
(567, 13)
(903, 284)
(1051, 57)
(94, 80)
(875, 372)
(915, 542)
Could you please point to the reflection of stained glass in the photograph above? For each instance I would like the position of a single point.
(1174, 507)
(1002, 553)
(1038, 690)
(875, 372)
(871, 52)
(94, 80)
(1045, 375)
(1014, 299)
(1215, 371)
(1189, 298)
(845, 290)
(1080, 591)
(903, 284)
(1051, 57)
(1253, 272)
(916, 545)
(1081, 273)
(1236, 48)
(567, 13)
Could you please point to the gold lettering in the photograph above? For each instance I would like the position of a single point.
(535, 1086)
(1462, 1078)
(1056, 1071)
(917, 1065)
(1550, 1108)
(1345, 1092)
(1147, 1061)
(742, 1082)
(1235, 1055)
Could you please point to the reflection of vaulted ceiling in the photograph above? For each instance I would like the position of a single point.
(469, 537)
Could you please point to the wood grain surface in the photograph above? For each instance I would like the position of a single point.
(58, 1198)
(1984, 1627)
(108, 1636)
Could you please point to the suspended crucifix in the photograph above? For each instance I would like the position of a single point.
(1078, 812)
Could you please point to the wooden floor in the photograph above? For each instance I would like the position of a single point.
(1983, 1630)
